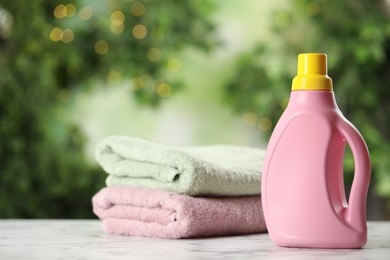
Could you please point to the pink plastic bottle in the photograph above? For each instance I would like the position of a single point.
(302, 188)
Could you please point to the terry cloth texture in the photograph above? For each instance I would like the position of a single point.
(218, 170)
(161, 214)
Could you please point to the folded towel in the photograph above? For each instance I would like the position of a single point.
(210, 170)
(155, 213)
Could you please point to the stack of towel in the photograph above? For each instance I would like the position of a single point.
(166, 192)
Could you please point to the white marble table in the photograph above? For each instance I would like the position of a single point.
(84, 239)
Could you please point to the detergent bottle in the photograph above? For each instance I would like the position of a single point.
(302, 188)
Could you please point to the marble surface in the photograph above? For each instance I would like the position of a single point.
(84, 239)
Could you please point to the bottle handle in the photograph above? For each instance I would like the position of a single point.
(355, 214)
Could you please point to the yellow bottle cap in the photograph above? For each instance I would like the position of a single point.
(312, 73)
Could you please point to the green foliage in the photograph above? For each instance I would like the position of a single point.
(40, 177)
(162, 28)
(44, 172)
(356, 37)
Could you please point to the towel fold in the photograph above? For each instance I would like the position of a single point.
(155, 213)
(218, 170)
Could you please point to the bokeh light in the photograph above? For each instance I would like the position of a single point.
(60, 11)
(138, 83)
(67, 36)
(114, 77)
(117, 29)
(70, 10)
(101, 47)
(117, 22)
(312, 9)
(56, 34)
(164, 90)
(154, 54)
(265, 124)
(86, 13)
(140, 31)
(117, 17)
(138, 9)
(174, 65)
(249, 119)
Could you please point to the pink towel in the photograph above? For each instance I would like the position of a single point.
(155, 213)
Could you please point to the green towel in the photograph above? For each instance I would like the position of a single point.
(218, 170)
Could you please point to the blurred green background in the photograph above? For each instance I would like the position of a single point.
(174, 72)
